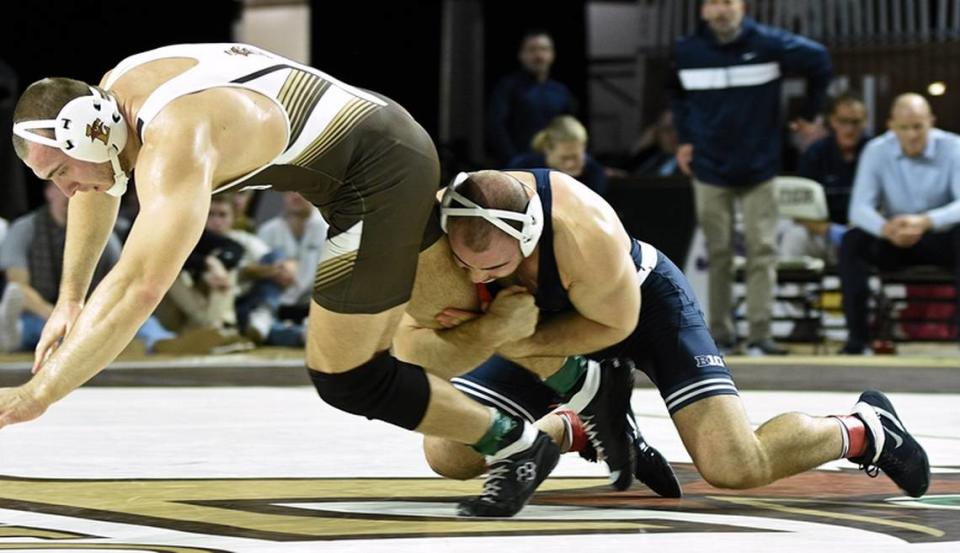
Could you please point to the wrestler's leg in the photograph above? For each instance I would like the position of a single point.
(338, 342)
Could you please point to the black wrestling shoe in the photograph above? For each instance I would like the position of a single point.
(604, 418)
(511, 482)
(890, 447)
(650, 466)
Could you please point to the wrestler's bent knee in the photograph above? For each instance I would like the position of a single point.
(452, 460)
(734, 472)
(383, 388)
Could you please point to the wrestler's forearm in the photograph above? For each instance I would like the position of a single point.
(118, 307)
(563, 335)
(90, 220)
(444, 352)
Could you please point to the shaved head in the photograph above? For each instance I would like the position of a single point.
(911, 120)
(492, 190)
(910, 103)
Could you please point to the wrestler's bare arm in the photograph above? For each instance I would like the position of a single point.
(174, 174)
(90, 220)
(421, 339)
(592, 250)
(449, 352)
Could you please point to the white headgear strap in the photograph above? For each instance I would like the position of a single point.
(532, 218)
(89, 128)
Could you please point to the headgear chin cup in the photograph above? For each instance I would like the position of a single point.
(89, 128)
(532, 217)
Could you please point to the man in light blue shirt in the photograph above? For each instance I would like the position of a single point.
(904, 208)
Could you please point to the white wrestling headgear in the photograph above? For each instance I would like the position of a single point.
(532, 218)
(88, 128)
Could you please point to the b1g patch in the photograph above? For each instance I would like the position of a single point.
(709, 361)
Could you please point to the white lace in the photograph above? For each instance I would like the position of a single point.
(491, 487)
(590, 429)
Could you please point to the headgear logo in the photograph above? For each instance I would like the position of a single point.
(96, 131)
(239, 51)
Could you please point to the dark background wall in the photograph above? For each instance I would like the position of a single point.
(392, 48)
(84, 39)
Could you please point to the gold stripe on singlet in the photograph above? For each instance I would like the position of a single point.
(334, 269)
(299, 95)
(342, 122)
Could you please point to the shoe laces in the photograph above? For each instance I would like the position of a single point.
(590, 429)
(491, 486)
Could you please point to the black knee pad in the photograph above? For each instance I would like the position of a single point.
(383, 388)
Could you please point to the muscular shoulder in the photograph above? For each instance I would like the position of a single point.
(588, 234)
(237, 131)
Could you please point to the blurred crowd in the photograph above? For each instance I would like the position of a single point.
(891, 201)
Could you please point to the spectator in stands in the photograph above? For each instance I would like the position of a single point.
(526, 101)
(904, 208)
(726, 107)
(798, 137)
(832, 162)
(262, 275)
(299, 235)
(655, 154)
(203, 296)
(242, 219)
(32, 258)
(11, 309)
(563, 146)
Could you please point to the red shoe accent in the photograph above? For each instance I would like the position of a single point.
(578, 439)
(856, 433)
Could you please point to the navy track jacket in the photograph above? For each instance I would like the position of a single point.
(726, 98)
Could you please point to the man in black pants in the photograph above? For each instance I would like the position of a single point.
(905, 206)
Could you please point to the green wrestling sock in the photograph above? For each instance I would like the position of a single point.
(569, 378)
(503, 430)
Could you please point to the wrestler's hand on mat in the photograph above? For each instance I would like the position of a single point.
(58, 325)
(513, 315)
(20, 405)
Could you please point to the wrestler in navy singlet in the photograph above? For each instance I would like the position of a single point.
(671, 342)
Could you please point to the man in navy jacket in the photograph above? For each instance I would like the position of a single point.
(726, 107)
(525, 101)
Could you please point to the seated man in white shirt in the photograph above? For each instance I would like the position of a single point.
(297, 235)
(905, 207)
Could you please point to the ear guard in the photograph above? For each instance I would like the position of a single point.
(532, 217)
(89, 128)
